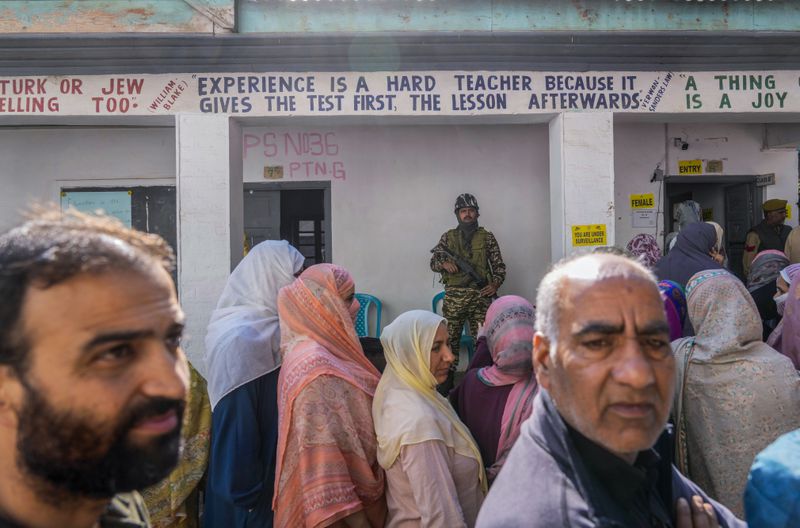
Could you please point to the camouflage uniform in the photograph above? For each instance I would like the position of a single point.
(464, 303)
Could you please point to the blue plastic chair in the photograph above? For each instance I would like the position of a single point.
(467, 341)
(362, 318)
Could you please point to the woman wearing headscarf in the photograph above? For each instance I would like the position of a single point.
(719, 245)
(644, 248)
(434, 473)
(175, 501)
(328, 472)
(691, 254)
(784, 281)
(761, 283)
(686, 213)
(674, 307)
(787, 340)
(718, 253)
(734, 394)
(493, 401)
(243, 359)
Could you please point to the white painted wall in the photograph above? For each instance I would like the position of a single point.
(581, 178)
(392, 193)
(740, 147)
(35, 160)
(209, 219)
(639, 147)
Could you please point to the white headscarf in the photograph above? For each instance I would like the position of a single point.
(243, 338)
(407, 409)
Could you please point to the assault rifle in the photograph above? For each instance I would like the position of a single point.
(462, 264)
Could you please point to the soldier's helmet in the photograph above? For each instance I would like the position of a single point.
(466, 200)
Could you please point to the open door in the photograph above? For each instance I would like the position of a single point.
(731, 201)
(297, 212)
(303, 222)
(740, 216)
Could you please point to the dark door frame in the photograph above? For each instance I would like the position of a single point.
(721, 180)
(324, 186)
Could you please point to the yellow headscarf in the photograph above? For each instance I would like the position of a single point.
(407, 409)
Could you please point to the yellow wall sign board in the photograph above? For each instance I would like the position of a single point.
(788, 211)
(643, 201)
(714, 166)
(273, 172)
(689, 167)
(589, 235)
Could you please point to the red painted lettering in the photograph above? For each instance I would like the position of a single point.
(111, 104)
(331, 148)
(315, 147)
(270, 146)
(123, 86)
(250, 141)
(288, 139)
(135, 86)
(338, 170)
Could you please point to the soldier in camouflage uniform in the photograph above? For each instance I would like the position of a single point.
(464, 300)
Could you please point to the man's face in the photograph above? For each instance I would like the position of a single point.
(98, 410)
(776, 217)
(467, 214)
(612, 378)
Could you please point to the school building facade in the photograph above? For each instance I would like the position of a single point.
(349, 128)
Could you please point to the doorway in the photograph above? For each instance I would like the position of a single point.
(731, 201)
(296, 212)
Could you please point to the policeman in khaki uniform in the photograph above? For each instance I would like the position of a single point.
(769, 234)
(466, 298)
(792, 248)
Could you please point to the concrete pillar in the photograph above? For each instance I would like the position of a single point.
(210, 222)
(581, 178)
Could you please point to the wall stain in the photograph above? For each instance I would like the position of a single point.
(589, 15)
(90, 16)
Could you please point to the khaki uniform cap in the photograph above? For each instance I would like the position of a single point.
(774, 205)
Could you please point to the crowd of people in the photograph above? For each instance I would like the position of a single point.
(636, 389)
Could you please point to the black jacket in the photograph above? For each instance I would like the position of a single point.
(545, 482)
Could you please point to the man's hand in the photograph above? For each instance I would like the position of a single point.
(699, 515)
(449, 267)
(489, 290)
